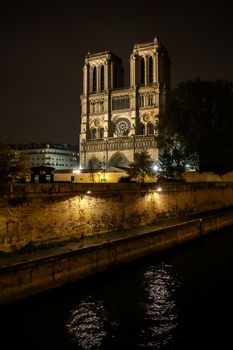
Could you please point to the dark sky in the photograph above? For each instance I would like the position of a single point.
(43, 44)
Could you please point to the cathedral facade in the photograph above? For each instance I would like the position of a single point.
(118, 121)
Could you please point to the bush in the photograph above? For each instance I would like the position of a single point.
(125, 179)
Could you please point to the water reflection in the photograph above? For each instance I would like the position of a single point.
(160, 307)
(142, 306)
(87, 324)
(95, 323)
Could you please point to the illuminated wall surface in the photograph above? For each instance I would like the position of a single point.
(45, 213)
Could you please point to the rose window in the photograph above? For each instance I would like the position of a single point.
(122, 127)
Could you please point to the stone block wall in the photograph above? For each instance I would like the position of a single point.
(48, 213)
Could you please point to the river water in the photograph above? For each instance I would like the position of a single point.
(179, 299)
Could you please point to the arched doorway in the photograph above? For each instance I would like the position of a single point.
(119, 159)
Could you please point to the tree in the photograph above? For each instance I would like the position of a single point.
(13, 167)
(174, 159)
(199, 115)
(141, 166)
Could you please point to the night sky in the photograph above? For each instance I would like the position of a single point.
(43, 44)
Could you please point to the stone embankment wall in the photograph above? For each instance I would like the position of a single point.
(31, 276)
(45, 213)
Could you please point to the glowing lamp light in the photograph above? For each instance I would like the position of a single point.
(77, 171)
(88, 192)
(159, 189)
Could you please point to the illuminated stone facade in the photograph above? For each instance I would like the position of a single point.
(57, 155)
(118, 121)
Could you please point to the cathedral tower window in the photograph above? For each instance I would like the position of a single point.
(102, 78)
(142, 71)
(150, 129)
(101, 106)
(101, 133)
(143, 129)
(94, 78)
(150, 70)
(150, 100)
(93, 133)
(141, 100)
(120, 102)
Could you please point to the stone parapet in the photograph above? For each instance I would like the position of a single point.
(51, 213)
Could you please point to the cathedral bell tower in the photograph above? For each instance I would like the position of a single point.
(118, 121)
(102, 72)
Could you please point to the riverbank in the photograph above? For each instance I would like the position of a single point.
(28, 274)
(48, 214)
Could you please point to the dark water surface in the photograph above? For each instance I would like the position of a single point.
(180, 299)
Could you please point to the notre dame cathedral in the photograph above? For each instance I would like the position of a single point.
(119, 120)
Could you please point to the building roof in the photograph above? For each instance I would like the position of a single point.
(32, 145)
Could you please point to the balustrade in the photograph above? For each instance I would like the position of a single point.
(114, 144)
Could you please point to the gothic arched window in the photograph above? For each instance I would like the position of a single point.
(101, 106)
(94, 80)
(93, 133)
(101, 133)
(150, 70)
(141, 100)
(142, 71)
(143, 129)
(102, 78)
(150, 129)
(150, 100)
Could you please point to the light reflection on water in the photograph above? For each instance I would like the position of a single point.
(160, 309)
(87, 324)
(92, 324)
(181, 300)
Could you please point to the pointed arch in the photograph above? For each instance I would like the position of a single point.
(93, 133)
(119, 159)
(143, 129)
(150, 129)
(101, 133)
(93, 163)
